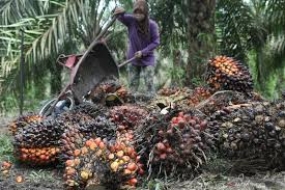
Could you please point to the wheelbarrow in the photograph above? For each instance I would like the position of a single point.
(86, 71)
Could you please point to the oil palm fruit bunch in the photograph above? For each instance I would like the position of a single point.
(199, 94)
(225, 73)
(81, 168)
(254, 134)
(99, 92)
(125, 163)
(168, 91)
(99, 163)
(79, 127)
(23, 121)
(172, 145)
(38, 142)
(90, 109)
(127, 116)
(122, 93)
(221, 99)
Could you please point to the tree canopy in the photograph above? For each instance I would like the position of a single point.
(251, 31)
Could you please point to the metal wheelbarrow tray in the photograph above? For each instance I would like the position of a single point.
(88, 70)
(91, 70)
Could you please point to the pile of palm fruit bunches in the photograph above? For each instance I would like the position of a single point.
(116, 143)
(222, 74)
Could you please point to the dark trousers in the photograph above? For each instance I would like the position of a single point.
(147, 72)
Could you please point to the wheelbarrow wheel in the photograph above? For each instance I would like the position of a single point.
(63, 105)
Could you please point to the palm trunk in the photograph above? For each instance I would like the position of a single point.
(201, 35)
(55, 81)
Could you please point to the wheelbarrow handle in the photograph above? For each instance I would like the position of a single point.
(126, 62)
(103, 32)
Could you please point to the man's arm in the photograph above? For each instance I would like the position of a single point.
(155, 39)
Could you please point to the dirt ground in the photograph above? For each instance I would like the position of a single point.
(51, 178)
(33, 179)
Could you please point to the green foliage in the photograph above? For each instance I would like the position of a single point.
(40, 176)
(170, 16)
(51, 27)
(54, 27)
(6, 149)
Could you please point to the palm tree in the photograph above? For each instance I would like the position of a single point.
(253, 27)
(200, 36)
(51, 27)
(187, 27)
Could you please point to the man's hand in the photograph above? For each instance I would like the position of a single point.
(138, 54)
(118, 10)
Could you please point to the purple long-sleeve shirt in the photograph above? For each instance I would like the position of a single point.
(138, 42)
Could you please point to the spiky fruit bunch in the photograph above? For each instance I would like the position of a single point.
(168, 91)
(254, 133)
(99, 163)
(222, 99)
(225, 73)
(199, 94)
(80, 127)
(172, 144)
(98, 93)
(38, 143)
(92, 110)
(40, 134)
(127, 116)
(23, 121)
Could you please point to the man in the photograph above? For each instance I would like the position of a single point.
(143, 37)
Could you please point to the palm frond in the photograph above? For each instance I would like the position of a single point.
(232, 20)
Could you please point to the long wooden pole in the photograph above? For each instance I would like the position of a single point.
(22, 80)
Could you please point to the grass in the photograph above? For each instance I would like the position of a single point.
(38, 176)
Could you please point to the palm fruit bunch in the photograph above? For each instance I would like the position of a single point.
(90, 109)
(253, 134)
(23, 121)
(127, 116)
(171, 144)
(100, 163)
(79, 127)
(108, 92)
(198, 95)
(225, 73)
(168, 91)
(38, 143)
(81, 167)
(125, 163)
(222, 99)
(126, 158)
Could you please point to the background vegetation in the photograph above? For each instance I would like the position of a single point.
(193, 31)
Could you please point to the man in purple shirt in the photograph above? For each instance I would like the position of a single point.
(143, 37)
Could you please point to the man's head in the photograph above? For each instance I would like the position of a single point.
(140, 10)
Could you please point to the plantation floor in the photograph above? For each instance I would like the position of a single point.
(33, 179)
(50, 178)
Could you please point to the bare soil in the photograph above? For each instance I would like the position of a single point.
(33, 179)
